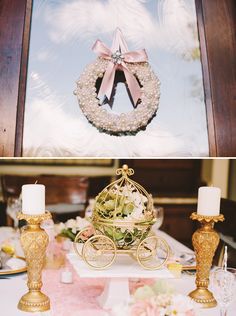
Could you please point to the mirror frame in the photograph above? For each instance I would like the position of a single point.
(216, 28)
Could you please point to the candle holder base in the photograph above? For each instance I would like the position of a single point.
(34, 301)
(204, 297)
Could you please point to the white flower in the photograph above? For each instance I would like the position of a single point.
(180, 304)
(81, 223)
(59, 227)
(137, 213)
(74, 230)
(71, 223)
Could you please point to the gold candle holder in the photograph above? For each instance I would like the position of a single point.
(205, 241)
(34, 241)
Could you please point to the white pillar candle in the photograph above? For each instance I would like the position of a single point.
(208, 201)
(33, 199)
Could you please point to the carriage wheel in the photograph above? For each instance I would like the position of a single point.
(152, 253)
(81, 238)
(133, 254)
(99, 252)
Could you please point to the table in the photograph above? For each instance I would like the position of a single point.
(79, 298)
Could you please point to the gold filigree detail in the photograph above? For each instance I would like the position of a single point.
(125, 171)
(205, 242)
(34, 241)
(34, 219)
(200, 218)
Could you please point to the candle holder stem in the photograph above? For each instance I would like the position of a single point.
(34, 241)
(205, 241)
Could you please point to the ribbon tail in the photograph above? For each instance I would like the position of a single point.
(133, 85)
(107, 82)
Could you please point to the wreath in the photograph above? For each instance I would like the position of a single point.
(142, 83)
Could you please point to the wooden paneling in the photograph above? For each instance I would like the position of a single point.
(228, 208)
(97, 184)
(60, 189)
(12, 15)
(3, 217)
(206, 79)
(22, 81)
(167, 177)
(177, 222)
(217, 30)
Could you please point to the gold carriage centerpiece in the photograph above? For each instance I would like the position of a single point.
(121, 223)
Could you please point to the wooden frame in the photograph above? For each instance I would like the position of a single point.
(100, 162)
(216, 25)
(15, 18)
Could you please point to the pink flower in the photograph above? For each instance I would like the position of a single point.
(144, 308)
(88, 232)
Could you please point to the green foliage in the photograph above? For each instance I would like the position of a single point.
(68, 233)
(117, 207)
(110, 205)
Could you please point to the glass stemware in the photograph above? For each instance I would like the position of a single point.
(13, 207)
(224, 287)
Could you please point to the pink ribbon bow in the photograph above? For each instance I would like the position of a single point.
(118, 56)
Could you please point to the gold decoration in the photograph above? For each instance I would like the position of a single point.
(205, 241)
(34, 241)
(116, 231)
(200, 218)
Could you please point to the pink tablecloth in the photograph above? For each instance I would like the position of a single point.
(78, 298)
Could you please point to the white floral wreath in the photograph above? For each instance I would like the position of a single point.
(89, 99)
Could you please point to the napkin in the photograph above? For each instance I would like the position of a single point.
(15, 263)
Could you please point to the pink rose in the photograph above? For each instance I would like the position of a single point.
(144, 308)
(88, 232)
(135, 284)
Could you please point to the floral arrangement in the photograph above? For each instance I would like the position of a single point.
(72, 227)
(123, 211)
(164, 305)
(122, 203)
(157, 300)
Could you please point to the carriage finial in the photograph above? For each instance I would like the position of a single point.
(125, 171)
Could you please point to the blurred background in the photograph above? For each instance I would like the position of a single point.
(72, 184)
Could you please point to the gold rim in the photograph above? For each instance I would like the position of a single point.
(151, 252)
(34, 219)
(24, 269)
(100, 245)
(207, 218)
